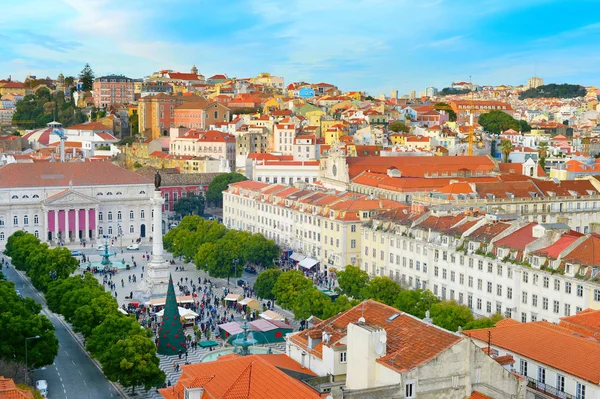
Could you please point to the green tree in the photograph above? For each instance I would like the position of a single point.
(214, 193)
(189, 205)
(10, 243)
(543, 153)
(415, 302)
(341, 304)
(497, 122)
(113, 328)
(442, 106)
(265, 282)
(310, 302)
(289, 286)
(260, 251)
(381, 289)
(69, 80)
(352, 280)
(132, 362)
(553, 90)
(450, 315)
(20, 318)
(484, 322)
(47, 265)
(134, 123)
(506, 147)
(91, 315)
(21, 247)
(398, 127)
(86, 77)
(57, 289)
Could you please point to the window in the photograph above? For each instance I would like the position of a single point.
(541, 377)
(353, 229)
(524, 299)
(15, 220)
(489, 288)
(509, 292)
(1, 221)
(579, 290)
(409, 390)
(471, 281)
(580, 391)
(1, 236)
(534, 300)
(25, 220)
(109, 216)
(343, 357)
(597, 295)
(479, 303)
(142, 214)
(131, 215)
(119, 216)
(36, 234)
(560, 383)
(353, 244)
(525, 277)
(545, 303)
(546, 282)
(568, 287)
(100, 217)
(557, 284)
(499, 290)
(555, 306)
(110, 231)
(36, 219)
(523, 368)
(567, 309)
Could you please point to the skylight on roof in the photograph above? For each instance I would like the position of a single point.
(393, 317)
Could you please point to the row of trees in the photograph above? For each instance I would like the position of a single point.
(293, 291)
(553, 90)
(214, 193)
(38, 109)
(219, 251)
(124, 349)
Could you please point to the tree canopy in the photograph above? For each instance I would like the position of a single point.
(38, 109)
(86, 77)
(214, 193)
(497, 122)
(506, 147)
(442, 106)
(382, 289)
(352, 280)
(265, 282)
(288, 288)
(450, 315)
(446, 91)
(192, 204)
(398, 127)
(553, 90)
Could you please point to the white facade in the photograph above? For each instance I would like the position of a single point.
(282, 172)
(283, 136)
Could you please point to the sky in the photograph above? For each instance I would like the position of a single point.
(371, 45)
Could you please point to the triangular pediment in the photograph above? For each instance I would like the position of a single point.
(70, 196)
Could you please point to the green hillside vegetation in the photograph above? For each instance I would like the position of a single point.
(553, 90)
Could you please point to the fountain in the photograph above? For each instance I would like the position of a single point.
(105, 263)
(243, 344)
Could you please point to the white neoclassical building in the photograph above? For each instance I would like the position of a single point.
(70, 202)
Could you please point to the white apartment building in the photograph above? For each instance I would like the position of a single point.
(283, 136)
(525, 271)
(322, 225)
(69, 202)
(210, 143)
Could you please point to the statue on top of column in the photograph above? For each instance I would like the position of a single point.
(157, 180)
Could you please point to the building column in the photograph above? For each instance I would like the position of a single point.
(45, 226)
(77, 225)
(55, 226)
(66, 240)
(87, 224)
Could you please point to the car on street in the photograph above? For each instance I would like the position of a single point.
(42, 386)
(19, 293)
(250, 270)
(76, 252)
(133, 247)
(242, 283)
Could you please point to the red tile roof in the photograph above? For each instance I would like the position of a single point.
(410, 341)
(518, 239)
(586, 322)
(554, 250)
(247, 377)
(479, 395)
(548, 344)
(587, 252)
(8, 390)
(59, 174)
(89, 126)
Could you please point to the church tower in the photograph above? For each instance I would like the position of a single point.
(194, 70)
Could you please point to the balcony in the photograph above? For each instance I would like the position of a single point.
(546, 390)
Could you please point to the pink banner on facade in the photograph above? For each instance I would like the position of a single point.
(71, 219)
(61, 220)
(81, 216)
(50, 221)
(92, 219)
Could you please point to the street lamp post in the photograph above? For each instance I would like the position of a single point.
(26, 360)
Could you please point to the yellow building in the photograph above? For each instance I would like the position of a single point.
(354, 94)
(397, 139)
(314, 118)
(12, 88)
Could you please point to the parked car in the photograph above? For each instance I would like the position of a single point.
(76, 252)
(19, 293)
(242, 283)
(42, 386)
(250, 269)
(133, 247)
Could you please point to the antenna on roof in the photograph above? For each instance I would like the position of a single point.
(362, 315)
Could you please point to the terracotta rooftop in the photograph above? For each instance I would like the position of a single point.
(243, 377)
(587, 252)
(410, 341)
(548, 344)
(59, 174)
(586, 322)
(8, 390)
(518, 239)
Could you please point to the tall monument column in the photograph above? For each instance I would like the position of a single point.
(156, 274)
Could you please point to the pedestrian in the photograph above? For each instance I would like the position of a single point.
(174, 365)
(179, 353)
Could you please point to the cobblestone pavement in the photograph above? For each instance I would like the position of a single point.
(189, 271)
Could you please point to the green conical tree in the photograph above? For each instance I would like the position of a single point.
(171, 337)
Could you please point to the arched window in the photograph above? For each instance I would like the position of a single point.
(110, 230)
(109, 193)
(25, 196)
(15, 220)
(25, 220)
(100, 216)
(15, 197)
(142, 192)
(131, 214)
(100, 231)
(35, 196)
(99, 194)
(153, 213)
(109, 216)
(119, 215)
(1, 236)
(131, 229)
(142, 214)
(36, 219)
(36, 234)
(119, 193)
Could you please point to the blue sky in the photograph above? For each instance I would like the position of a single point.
(372, 45)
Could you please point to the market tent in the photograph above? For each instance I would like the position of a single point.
(250, 302)
(233, 297)
(162, 301)
(183, 312)
(270, 315)
(307, 263)
(229, 329)
(297, 256)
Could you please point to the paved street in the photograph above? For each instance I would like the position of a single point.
(73, 374)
